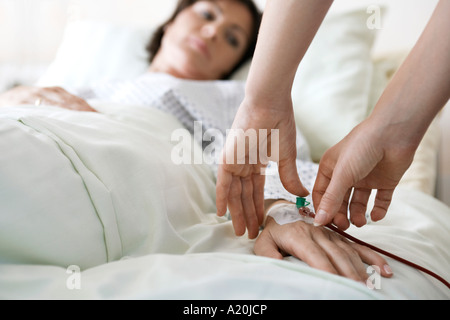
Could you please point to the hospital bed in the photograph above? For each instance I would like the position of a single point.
(147, 228)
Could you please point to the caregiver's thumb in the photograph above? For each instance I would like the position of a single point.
(332, 184)
(329, 204)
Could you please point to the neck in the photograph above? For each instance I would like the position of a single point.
(182, 73)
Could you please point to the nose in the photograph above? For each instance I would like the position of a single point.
(210, 31)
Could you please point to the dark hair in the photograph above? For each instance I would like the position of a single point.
(155, 42)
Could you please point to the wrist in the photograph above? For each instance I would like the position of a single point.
(269, 204)
(399, 128)
(269, 105)
(284, 212)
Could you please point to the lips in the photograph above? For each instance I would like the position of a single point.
(200, 45)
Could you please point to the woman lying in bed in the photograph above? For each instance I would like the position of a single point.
(207, 41)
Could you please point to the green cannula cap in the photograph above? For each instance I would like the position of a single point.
(301, 202)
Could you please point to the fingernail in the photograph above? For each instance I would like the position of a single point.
(387, 269)
(320, 219)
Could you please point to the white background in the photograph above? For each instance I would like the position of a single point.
(30, 30)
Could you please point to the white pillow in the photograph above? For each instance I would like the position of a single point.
(97, 51)
(94, 51)
(333, 83)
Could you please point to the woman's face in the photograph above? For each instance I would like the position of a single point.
(205, 41)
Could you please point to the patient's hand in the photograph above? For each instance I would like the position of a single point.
(319, 247)
(51, 96)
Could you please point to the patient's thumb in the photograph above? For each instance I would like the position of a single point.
(290, 179)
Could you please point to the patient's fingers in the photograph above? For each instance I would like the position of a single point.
(358, 206)
(320, 248)
(343, 257)
(50, 96)
(352, 255)
(266, 247)
(372, 258)
(298, 241)
(57, 96)
(314, 255)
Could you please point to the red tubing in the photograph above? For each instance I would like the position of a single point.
(307, 212)
(393, 256)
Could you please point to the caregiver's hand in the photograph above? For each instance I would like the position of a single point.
(320, 248)
(372, 156)
(52, 96)
(240, 180)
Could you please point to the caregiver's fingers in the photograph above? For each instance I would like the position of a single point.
(248, 205)
(358, 206)
(341, 218)
(258, 196)
(328, 195)
(383, 200)
(236, 207)
(224, 179)
(243, 195)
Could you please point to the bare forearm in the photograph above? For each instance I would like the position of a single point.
(287, 30)
(421, 87)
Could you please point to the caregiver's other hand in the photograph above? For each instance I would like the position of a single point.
(320, 248)
(240, 180)
(371, 156)
(52, 96)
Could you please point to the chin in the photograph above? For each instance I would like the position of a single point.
(191, 66)
(193, 74)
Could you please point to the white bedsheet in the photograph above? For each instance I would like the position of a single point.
(99, 191)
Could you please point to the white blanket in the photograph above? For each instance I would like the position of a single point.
(99, 192)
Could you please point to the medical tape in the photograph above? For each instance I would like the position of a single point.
(285, 213)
